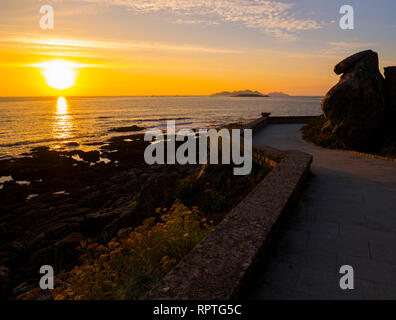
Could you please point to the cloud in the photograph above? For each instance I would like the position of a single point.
(271, 17)
(36, 41)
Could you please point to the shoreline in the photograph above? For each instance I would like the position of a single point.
(66, 199)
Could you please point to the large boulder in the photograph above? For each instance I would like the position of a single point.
(390, 84)
(355, 107)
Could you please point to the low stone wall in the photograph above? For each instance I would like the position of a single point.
(257, 125)
(220, 266)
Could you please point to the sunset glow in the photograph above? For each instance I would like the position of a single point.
(59, 74)
(165, 47)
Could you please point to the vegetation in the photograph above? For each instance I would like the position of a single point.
(386, 146)
(134, 261)
(217, 191)
(137, 258)
(313, 132)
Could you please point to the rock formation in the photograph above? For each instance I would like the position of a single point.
(390, 84)
(355, 108)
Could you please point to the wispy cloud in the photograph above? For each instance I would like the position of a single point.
(36, 42)
(271, 17)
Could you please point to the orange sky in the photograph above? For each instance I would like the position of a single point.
(168, 48)
(158, 71)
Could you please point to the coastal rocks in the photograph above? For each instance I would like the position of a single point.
(355, 107)
(96, 200)
(390, 84)
(5, 281)
(132, 128)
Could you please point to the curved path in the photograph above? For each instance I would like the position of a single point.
(346, 216)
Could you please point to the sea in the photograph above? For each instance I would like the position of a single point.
(56, 122)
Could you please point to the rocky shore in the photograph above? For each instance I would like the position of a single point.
(52, 200)
(56, 199)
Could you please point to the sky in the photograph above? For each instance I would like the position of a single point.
(188, 47)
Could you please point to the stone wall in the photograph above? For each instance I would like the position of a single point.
(221, 265)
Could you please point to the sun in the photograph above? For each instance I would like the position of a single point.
(59, 74)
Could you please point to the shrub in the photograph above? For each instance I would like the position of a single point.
(312, 132)
(385, 145)
(133, 262)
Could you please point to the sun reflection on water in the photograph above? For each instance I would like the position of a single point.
(63, 122)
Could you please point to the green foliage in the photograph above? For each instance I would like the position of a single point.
(217, 190)
(134, 261)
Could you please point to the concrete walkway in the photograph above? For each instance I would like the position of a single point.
(346, 216)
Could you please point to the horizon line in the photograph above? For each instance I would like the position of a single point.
(148, 96)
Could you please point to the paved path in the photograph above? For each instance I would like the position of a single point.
(346, 216)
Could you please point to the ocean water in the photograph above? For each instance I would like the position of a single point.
(30, 122)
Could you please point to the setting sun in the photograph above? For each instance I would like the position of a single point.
(59, 74)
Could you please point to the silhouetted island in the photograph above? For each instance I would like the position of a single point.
(243, 93)
(249, 93)
(252, 95)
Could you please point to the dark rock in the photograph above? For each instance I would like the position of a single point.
(390, 84)
(346, 64)
(326, 128)
(90, 156)
(72, 144)
(356, 106)
(5, 281)
(72, 239)
(24, 287)
(127, 129)
(44, 256)
(65, 250)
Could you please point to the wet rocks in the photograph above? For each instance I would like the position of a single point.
(5, 281)
(98, 199)
(132, 128)
(355, 108)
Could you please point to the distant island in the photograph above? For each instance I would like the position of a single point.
(249, 93)
(252, 95)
